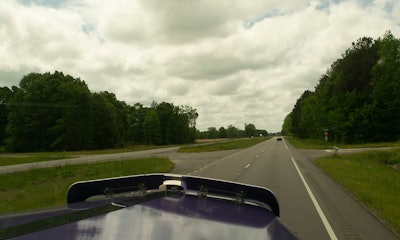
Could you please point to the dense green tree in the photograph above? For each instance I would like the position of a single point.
(250, 130)
(5, 95)
(119, 113)
(201, 134)
(58, 112)
(287, 125)
(357, 99)
(191, 114)
(166, 113)
(222, 133)
(136, 119)
(298, 115)
(180, 128)
(385, 111)
(188, 116)
(104, 121)
(45, 106)
(151, 128)
(212, 132)
(73, 129)
(232, 132)
(177, 124)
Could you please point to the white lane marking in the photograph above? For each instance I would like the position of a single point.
(321, 214)
(248, 165)
(286, 146)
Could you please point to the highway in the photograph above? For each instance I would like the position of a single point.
(312, 205)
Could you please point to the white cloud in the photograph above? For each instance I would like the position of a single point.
(235, 61)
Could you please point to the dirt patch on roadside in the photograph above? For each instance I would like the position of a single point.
(210, 140)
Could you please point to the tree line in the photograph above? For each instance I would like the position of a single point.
(357, 100)
(231, 131)
(56, 112)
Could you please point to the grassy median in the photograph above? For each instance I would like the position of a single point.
(372, 177)
(48, 187)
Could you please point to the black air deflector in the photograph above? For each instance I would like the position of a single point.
(203, 187)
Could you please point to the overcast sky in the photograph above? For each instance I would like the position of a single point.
(235, 61)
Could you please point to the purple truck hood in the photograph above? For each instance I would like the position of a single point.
(173, 215)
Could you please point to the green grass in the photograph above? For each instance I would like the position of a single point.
(220, 146)
(322, 144)
(48, 187)
(372, 178)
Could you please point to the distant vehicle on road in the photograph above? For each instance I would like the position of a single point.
(156, 206)
(279, 139)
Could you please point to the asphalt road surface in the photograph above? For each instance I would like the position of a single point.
(312, 205)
